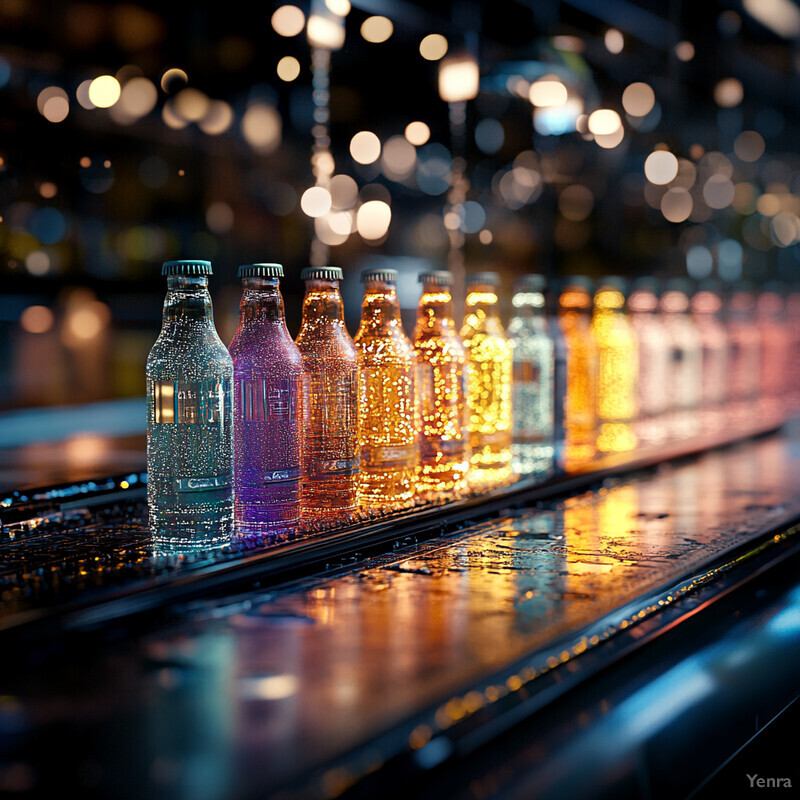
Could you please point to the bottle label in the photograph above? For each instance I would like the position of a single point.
(267, 400)
(201, 484)
(281, 476)
(190, 402)
(341, 467)
(388, 455)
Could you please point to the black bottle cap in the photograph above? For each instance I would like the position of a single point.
(483, 279)
(321, 274)
(530, 283)
(438, 277)
(260, 271)
(386, 275)
(188, 267)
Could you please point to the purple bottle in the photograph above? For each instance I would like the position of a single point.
(267, 395)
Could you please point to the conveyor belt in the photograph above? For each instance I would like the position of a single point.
(388, 665)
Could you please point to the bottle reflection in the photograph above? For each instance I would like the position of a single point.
(775, 350)
(745, 354)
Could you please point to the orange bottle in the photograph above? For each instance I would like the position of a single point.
(330, 442)
(441, 391)
(387, 407)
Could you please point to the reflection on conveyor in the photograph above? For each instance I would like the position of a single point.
(267, 686)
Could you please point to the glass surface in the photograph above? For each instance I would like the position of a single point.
(189, 430)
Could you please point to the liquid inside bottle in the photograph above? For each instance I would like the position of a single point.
(533, 378)
(580, 412)
(617, 368)
(267, 392)
(441, 391)
(189, 416)
(387, 405)
(489, 376)
(330, 450)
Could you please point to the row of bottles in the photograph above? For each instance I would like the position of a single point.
(270, 432)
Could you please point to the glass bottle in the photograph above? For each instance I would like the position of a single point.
(744, 340)
(617, 367)
(580, 411)
(267, 394)
(684, 383)
(489, 376)
(559, 376)
(655, 353)
(775, 348)
(441, 391)
(387, 407)
(532, 386)
(793, 376)
(189, 432)
(330, 454)
(706, 305)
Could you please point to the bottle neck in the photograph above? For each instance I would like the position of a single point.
(187, 300)
(261, 302)
(435, 310)
(322, 303)
(380, 306)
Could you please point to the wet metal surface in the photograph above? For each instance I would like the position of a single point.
(236, 697)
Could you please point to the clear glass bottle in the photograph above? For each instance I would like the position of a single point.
(559, 375)
(655, 354)
(267, 397)
(580, 409)
(706, 305)
(775, 348)
(189, 415)
(330, 451)
(684, 384)
(387, 406)
(617, 367)
(489, 377)
(532, 387)
(441, 391)
(744, 340)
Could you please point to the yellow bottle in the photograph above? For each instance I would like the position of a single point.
(617, 368)
(489, 370)
(580, 414)
(441, 385)
(387, 401)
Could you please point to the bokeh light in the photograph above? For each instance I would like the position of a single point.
(339, 7)
(604, 121)
(288, 68)
(728, 93)
(218, 118)
(548, 92)
(104, 91)
(661, 167)
(399, 158)
(433, 47)
(576, 202)
(489, 135)
(38, 263)
(261, 127)
(684, 50)
(638, 99)
(718, 191)
(365, 147)
(376, 29)
(288, 21)
(173, 80)
(316, 201)
(749, 146)
(676, 204)
(219, 217)
(191, 104)
(138, 98)
(417, 133)
(373, 219)
(614, 41)
(36, 319)
(344, 192)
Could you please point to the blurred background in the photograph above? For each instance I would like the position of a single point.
(615, 137)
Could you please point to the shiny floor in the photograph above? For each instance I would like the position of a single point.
(236, 698)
